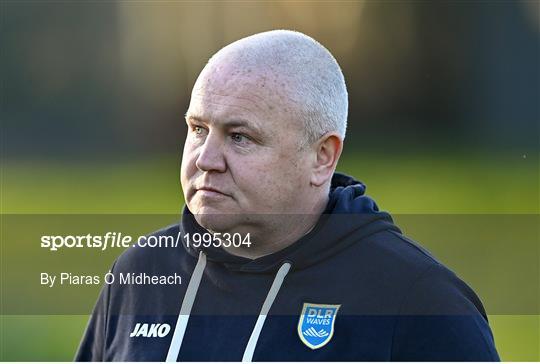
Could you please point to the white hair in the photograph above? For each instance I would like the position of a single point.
(306, 73)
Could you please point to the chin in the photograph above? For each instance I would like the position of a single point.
(217, 222)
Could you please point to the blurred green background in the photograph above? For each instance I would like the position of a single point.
(416, 189)
(444, 121)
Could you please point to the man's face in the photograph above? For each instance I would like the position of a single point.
(242, 154)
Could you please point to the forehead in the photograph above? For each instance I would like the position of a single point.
(209, 104)
(224, 93)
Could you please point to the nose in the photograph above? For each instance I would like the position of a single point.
(211, 156)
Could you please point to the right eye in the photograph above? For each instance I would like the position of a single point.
(198, 130)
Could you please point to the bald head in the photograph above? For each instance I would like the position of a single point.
(266, 123)
(292, 74)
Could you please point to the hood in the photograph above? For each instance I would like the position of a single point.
(349, 217)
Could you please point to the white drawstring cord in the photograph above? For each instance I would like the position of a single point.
(185, 310)
(270, 297)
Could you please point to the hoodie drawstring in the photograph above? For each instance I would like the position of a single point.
(185, 309)
(270, 297)
(189, 298)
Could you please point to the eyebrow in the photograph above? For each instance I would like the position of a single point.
(236, 122)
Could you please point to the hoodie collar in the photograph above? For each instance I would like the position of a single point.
(349, 216)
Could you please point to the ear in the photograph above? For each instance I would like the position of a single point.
(327, 152)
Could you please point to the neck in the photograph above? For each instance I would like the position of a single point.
(281, 232)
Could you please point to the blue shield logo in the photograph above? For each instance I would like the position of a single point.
(316, 324)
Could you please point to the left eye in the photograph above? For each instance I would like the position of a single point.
(238, 138)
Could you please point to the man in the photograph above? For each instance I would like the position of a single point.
(284, 259)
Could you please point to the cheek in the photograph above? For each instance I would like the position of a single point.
(269, 181)
(292, 177)
(188, 167)
(251, 176)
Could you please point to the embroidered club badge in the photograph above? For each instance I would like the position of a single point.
(316, 324)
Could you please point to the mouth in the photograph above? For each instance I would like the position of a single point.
(209, 191)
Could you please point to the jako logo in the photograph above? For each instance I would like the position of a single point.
(152, 330)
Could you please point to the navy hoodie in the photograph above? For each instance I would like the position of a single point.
(353, 289)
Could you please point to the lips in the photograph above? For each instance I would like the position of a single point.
(209, 190)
